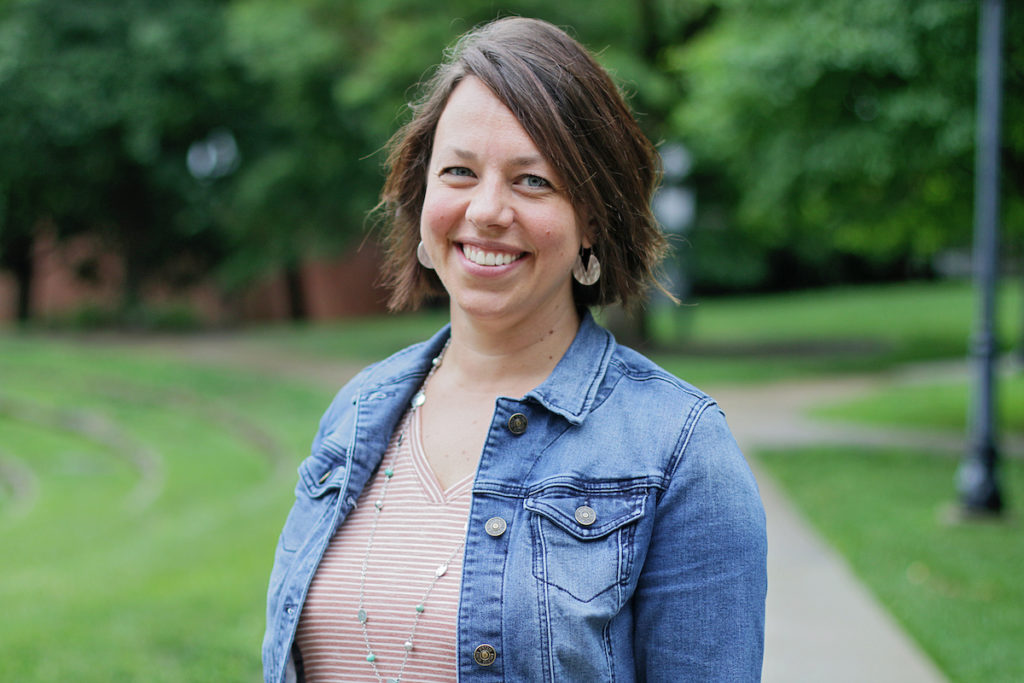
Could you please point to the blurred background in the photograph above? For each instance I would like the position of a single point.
(188, 271)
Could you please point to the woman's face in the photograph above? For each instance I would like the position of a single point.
(496, 219)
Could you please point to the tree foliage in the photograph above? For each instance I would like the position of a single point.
(832, 139)
(100, 104)
(837, 139)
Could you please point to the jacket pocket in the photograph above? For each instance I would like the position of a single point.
(320, 477)
(583, 536)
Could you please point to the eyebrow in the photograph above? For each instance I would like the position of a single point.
(522, 161)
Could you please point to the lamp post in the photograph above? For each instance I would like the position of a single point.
(675, 205)
(977, 480)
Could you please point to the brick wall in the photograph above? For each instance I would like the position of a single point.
(78, 273)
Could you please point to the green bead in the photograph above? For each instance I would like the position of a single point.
(420, 608)
(388, 472)
(371, 658)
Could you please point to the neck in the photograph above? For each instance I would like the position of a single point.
(492, 358)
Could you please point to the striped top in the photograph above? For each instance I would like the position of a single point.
(420, 527)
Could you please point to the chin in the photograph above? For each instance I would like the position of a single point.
(479, 310)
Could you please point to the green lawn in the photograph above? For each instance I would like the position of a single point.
(141, 497)
(940, 405)
(843, 330)
(926, 319)
(955, 587)
(139, 534)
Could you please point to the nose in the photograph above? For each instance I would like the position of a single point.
(490, 206)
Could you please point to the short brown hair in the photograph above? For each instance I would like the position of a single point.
(571, 109)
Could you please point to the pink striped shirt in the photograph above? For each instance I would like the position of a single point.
(420, 527)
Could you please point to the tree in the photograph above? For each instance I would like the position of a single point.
(838, 137)
(101, 102)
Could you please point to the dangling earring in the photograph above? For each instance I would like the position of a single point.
(423, 257)
(586, 274)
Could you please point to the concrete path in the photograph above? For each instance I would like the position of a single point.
(822, 624)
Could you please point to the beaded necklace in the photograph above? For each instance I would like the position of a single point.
(389, 471)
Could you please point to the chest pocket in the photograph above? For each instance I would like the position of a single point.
(583, 537)
(320, 477)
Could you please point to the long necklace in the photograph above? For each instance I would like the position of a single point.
(389, 471)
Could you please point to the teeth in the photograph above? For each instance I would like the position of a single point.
(487, 258)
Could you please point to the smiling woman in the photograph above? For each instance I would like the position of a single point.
(520, 498)
(497, 221)
(570, 109)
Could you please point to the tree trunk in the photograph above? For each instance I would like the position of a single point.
(24, 276)
(20, 260)
(296, 293)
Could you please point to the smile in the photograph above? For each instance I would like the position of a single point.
(489, 258)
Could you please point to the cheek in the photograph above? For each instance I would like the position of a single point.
(561, 233)
(436, 217)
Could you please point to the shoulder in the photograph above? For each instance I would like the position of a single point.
(703, 463)
(639, 368)
(648, 421)
(683, 420)
(635, 381)
(394, 370)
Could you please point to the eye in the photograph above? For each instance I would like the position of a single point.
(458, 171)
(535, 182)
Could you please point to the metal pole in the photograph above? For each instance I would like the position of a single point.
(977, 480)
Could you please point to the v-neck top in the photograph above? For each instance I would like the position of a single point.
(421, 526)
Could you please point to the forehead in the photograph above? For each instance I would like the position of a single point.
(475, 119)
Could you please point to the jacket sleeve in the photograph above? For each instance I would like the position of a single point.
(699, 603)
(277, 664)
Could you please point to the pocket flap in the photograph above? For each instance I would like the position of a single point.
(588, 514)
(321, 471)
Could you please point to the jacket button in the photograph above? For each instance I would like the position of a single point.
(495, 526)
(585, 515)
(324, 478)
(484, 655)
(517, 424)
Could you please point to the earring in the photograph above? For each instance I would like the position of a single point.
(423, 257)
(591, 272)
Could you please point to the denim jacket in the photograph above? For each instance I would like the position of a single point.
(634, 537)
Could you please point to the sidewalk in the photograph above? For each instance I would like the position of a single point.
(822, 625)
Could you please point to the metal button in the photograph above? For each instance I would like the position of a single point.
(495, 526)
(484, 655)
(324, 478)
(585, 515)
(517, 423)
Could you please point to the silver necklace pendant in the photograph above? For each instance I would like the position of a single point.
(417, 400)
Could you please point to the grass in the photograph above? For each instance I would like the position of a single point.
(141, 497)
(365, 339)
(100, 583)
(931, 405)
(955, 587)
(842, 330)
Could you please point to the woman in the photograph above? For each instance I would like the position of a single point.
(519, 498)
